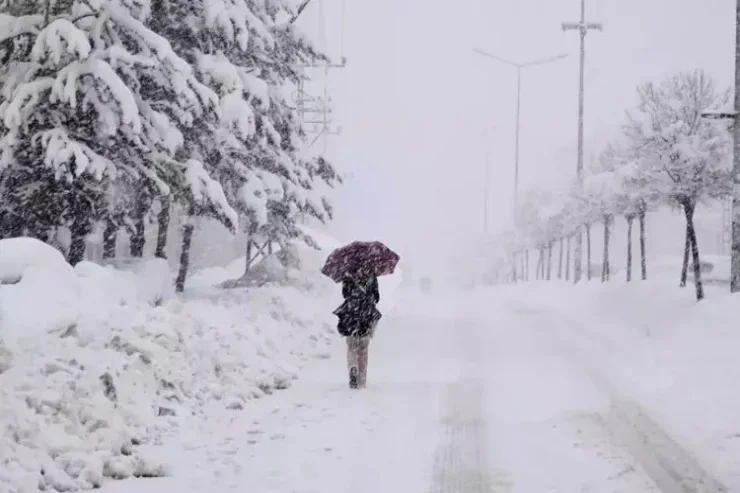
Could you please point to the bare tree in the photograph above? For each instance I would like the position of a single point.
(683, 154)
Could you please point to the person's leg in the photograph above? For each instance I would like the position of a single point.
(362, 354)
(353, 360)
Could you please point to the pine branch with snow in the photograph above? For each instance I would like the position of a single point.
(100, 100)
(247, 54)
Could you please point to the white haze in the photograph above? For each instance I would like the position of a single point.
(415, 103)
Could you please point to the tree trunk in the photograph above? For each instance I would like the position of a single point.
(249, 255)
(643, 256)
(605, 265)
(689, 209)
(567, 260)
(630, 220)
(138, 237)
(560, 261)
(79, 229)
(541, 264)
(110, 234)
(686, 251)
(526, 265)
(513, 268)
(588, 251)
(187, 238)
(163, 224)
(549, 261)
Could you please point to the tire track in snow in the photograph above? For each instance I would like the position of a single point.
(672, 467)
(461, 459)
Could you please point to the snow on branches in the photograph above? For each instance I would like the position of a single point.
(666, 155)
(121, 103)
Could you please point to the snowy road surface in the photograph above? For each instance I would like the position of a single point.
(456, 403)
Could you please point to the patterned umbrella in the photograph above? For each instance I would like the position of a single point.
(369, 256)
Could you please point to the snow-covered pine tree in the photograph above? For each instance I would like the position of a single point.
(685, 154)
(92, 107)
(249, 53)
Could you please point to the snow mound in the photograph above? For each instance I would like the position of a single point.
(52, 296)
(17, 255)
(99, 365)
(149, 280)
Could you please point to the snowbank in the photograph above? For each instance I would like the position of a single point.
(53, 296)
(98, 365)
(18, 255)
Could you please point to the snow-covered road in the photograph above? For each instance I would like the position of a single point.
(458, 402)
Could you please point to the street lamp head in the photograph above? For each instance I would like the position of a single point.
(542, 61)
(495, 57)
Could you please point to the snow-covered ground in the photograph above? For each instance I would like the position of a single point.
(100, 365)
(505, 390)
(529, 388)
(676, 357)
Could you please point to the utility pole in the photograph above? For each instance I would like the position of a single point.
(735, 174)
(735, 266)
(582, 27)
(519, 67)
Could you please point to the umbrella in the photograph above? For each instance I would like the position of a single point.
(372, 256)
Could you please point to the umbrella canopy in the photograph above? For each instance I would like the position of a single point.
(369, 256)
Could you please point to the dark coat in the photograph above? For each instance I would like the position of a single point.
(359, 314)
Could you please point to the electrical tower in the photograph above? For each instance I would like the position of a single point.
(316, 112)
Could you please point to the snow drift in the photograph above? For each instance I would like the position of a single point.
(99, 364)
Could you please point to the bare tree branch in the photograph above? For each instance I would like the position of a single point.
(300, 10)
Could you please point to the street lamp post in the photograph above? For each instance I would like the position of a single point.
(519, 67)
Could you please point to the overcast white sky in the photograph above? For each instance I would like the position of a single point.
(415, 102)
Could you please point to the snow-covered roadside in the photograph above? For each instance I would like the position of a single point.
(675, 357)
(99, 366)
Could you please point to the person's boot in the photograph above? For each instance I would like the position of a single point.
(353, 377)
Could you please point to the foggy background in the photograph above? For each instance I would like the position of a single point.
(419, 110)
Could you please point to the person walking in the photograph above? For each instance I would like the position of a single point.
(358, 318)
(357, 267)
